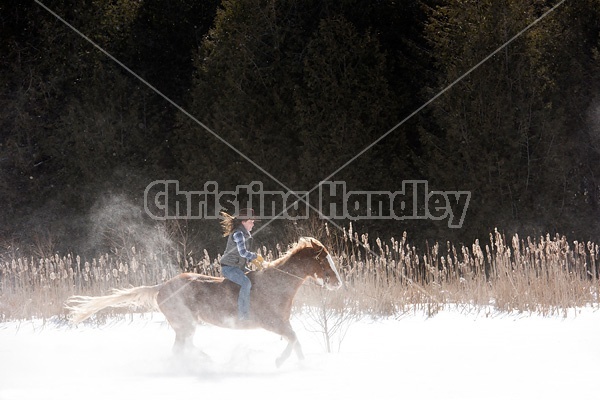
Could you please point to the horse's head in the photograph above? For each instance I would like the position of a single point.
(323, 270)
(309, 259)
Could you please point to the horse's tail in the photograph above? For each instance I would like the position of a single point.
(82, 307)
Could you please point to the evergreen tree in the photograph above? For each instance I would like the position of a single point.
(247, 71)
(502, 131)
(571, 41)
(75, 125)
(344, 104)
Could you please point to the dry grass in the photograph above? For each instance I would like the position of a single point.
(546, 275)
(38, 287)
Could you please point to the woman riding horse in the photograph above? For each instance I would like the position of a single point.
(190, 298)
(234, 261)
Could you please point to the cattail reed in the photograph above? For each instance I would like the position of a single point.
(545, 275)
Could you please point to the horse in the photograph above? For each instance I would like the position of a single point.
(190, 298)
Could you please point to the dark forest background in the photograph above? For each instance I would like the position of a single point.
(300, 86)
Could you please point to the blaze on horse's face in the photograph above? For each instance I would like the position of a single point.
(327, 274)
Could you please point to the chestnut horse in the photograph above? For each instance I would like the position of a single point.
(190, 298)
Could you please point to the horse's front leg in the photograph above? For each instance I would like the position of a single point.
(286, 353)
(293, 344)
(298, 349)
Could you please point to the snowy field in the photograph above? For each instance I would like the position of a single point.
(449, 356)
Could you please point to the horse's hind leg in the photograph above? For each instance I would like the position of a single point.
(184, 336)
(184, 326)
(293, 344)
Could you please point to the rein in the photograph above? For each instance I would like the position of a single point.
(296, 276)
(289, 273)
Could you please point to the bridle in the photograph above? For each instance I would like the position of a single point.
(318, 257)
(325, 271)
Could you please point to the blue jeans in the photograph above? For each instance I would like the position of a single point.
(238, 276)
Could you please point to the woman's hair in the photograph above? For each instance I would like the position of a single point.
(229, 223)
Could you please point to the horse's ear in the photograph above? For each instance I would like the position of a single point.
(317, 244)
(313, 242)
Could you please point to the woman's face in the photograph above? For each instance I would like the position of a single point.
(248, 224)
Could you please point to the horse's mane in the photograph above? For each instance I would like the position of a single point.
(303, 243)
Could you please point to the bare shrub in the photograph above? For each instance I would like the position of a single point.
(328, 314)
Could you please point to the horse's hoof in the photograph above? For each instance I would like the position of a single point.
(200, 355)
(279, 362)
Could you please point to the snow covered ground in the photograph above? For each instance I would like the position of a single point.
(449, 356)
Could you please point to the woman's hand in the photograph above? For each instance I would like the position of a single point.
(258, 262)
